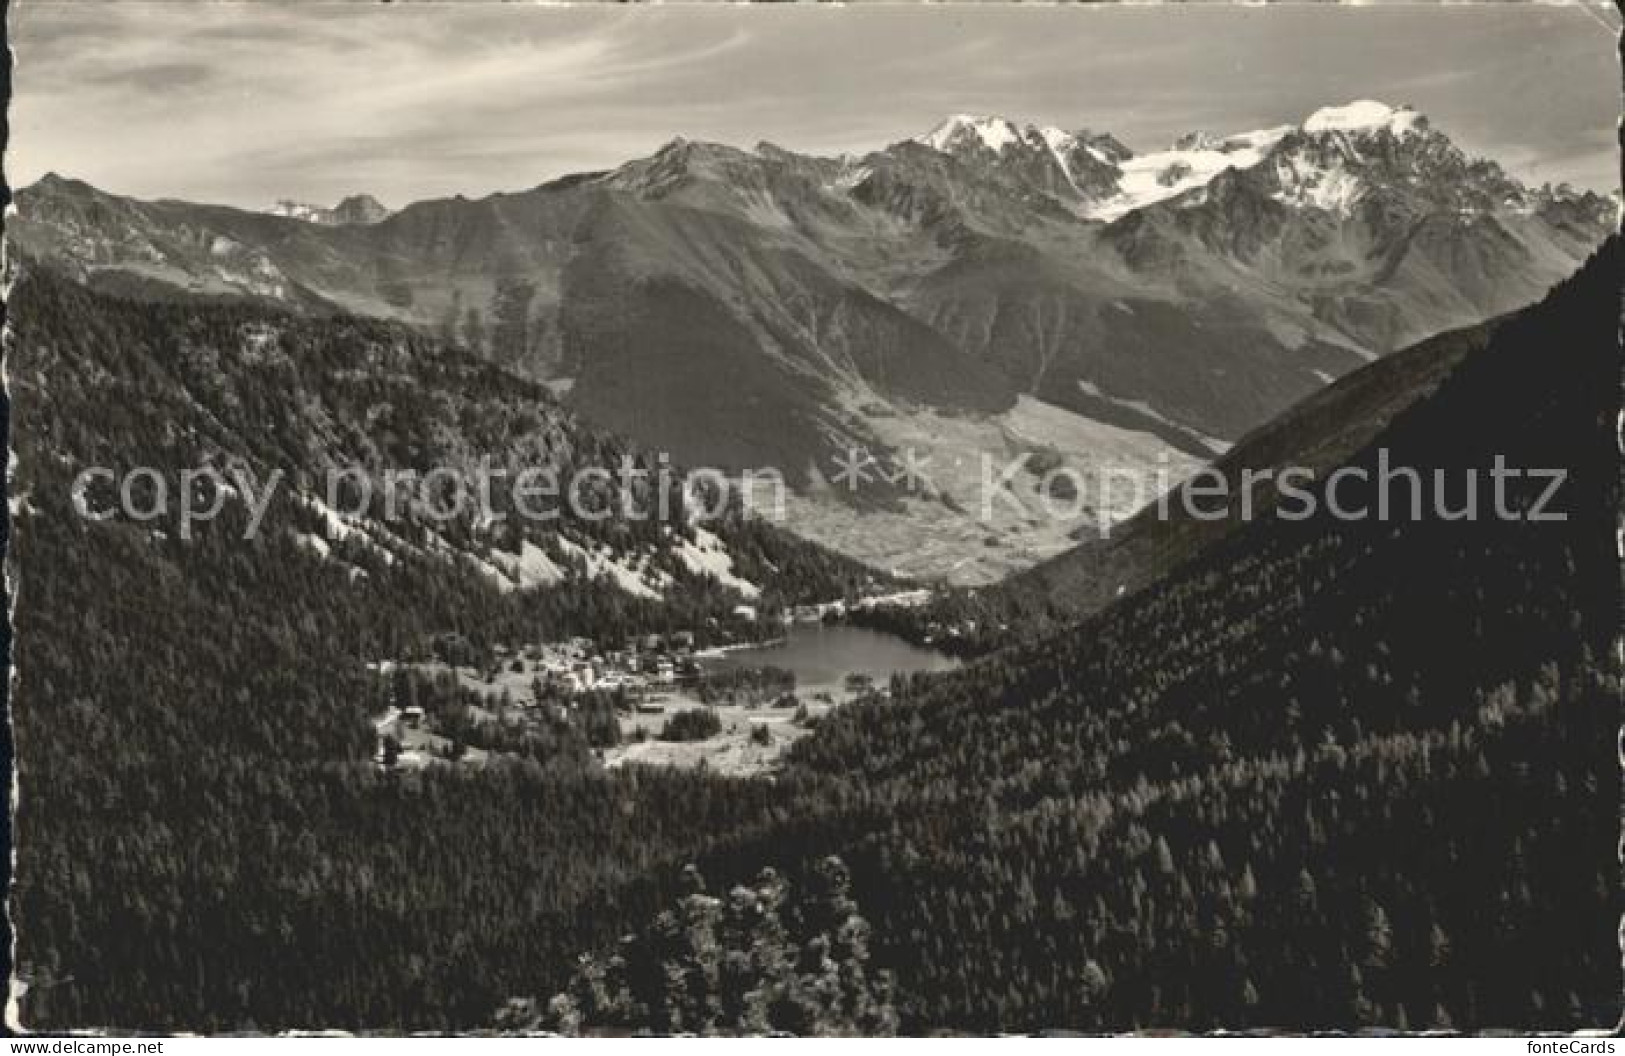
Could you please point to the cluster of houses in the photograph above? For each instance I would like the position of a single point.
(578, 666)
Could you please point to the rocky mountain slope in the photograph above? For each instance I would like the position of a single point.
(1182, 296)
(1314, 436)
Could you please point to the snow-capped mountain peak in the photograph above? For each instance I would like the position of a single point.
(1103, 180)
(296, 210)
(960, 130)
(356, 209)
(1349, 154)
(1070, 166)
(1322, 162)
(1056, 139)
(997, 133)
(1365, 115)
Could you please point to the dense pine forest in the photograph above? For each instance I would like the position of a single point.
(764, 957)
(196, 781)
(1317, 774)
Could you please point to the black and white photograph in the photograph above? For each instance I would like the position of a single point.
(813, 520)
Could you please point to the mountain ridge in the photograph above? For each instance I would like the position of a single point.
(1187, 295)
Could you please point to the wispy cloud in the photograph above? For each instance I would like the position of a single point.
(245, 102)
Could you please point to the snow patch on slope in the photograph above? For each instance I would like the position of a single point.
(531, 567)
(639, 582)
(1056, 142)
(1304, 183)
(337, 527)
(707, 555)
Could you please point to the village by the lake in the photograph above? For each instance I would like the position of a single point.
(662, 699)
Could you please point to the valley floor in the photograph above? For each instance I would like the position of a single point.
(974, 519)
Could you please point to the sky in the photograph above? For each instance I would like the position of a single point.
(247, 103)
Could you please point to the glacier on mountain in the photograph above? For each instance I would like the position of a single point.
(1197, 158)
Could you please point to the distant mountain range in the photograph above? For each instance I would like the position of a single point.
(742, 308)
(356, 209)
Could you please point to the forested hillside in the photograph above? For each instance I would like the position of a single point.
(105, 381)
(1324, 774)
(192, 716)
(761, 958)
(1331, 773)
